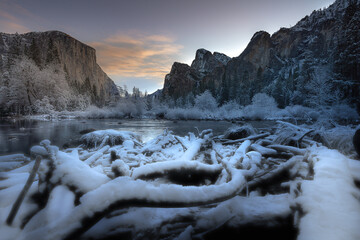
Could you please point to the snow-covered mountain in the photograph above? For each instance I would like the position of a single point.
(315, 62)
(50, 70)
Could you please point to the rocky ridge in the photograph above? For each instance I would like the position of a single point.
(321, 51)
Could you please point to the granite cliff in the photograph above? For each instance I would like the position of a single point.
(68, 62)
(304, 64)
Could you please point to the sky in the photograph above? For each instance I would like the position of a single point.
(137, 41)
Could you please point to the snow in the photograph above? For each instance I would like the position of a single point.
(121, 167)
(75, 172)
(354, 166)
(13, 179)
(242, 210)
(111, 136)
(60, 196)
(123, 188)
(186, 235)
(161, 167)
(240, 152)
(329, 198)
(38, 150)
(59, 206)
(97, 155)
(13, 161)
(331, 201)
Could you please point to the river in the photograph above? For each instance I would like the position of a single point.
(17, 136)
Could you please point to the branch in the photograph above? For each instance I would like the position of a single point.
(23, 192)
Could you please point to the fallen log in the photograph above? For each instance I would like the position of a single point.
(263, 150)
(266, 175)
(179, 172)
(295, 150)
(228, 142)
(123, 193)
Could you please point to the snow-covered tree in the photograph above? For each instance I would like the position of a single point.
(262, 106)
(206, 101)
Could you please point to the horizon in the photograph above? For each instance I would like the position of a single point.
(141, 51)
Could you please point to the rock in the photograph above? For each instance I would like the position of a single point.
(275, 63)
(239, 132)
(72, 143)
(180, 81)
(356, 141)
(204, 73)
(60, 53)
(160, 115)
(205, 62)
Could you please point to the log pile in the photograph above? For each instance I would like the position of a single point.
(192, 186)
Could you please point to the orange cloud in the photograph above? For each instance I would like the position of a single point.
(137, 55)
(10, 23)
(11, 27)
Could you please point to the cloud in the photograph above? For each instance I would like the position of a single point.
(137, 55)
(11, 17)
(11, 24)
(12, 27)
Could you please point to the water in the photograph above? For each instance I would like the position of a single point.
(18, 136)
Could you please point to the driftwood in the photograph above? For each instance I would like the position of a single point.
(237, 169)
(23, 192)
(283, 148)
(264, 150)
(191, 173)
(228, 142)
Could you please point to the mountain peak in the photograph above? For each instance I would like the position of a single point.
(205, 61)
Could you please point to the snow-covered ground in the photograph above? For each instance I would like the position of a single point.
(181, 187)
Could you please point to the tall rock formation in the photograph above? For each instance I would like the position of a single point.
(201, 75)
(68, 62)
(315, 62)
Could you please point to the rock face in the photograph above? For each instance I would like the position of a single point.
(322, 51)
(65, 56)
(201, 75)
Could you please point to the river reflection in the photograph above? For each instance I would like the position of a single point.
(18, 136)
